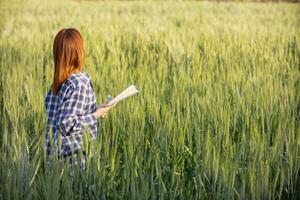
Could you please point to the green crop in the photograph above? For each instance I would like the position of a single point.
(217, 116)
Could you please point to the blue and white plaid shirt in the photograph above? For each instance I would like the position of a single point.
(69, 112)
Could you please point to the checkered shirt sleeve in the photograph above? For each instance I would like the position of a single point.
(71, 115)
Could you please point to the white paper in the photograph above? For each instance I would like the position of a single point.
(128, 92)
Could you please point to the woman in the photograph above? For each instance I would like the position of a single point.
(70, 102)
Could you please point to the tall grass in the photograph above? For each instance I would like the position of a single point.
(217, 116)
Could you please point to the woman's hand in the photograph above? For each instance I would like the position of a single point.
(102, 110)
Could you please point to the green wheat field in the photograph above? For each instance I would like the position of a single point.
(217, 116)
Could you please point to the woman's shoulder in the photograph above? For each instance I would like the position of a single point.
(85, 75)
(78, 79)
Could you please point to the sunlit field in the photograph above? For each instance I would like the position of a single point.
(217, 116)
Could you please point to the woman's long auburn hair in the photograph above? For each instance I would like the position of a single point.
(69, 54)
